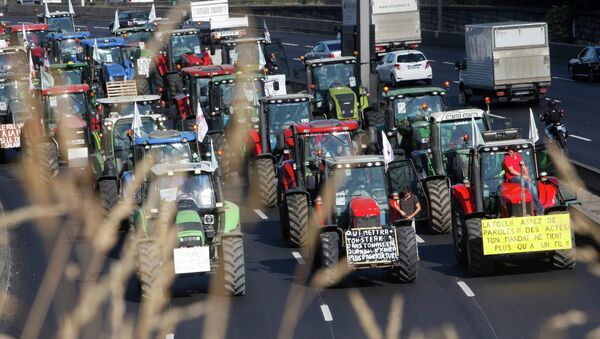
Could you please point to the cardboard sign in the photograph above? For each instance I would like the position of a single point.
(526, 234)
(143, 66)
(191, 259)
(10, 135)
(371, 245)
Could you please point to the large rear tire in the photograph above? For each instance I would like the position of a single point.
(46, 154)
(234, 272)
(407, 254)
(478, 263)
(329, 256)
(440, 212)
(175, 83)
(149, 269)
(375, 118)
(143, 86)
(109, 194)
(266, 180)
(297, 207)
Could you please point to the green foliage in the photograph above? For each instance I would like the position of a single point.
(559, 23)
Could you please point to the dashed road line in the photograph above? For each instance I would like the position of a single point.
(565, 79)
(497, 116)
(456, 82)
(448, 63)
(420, 240)
(100, 27)
(261, 214)
(326, 313)
(298, 257)
(289, 44)
(309, 46)
(463, 286)
(297, 59)
(580, 138)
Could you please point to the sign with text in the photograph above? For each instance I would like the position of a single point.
(371, 245)
(526, 234)
(191, 259)
(10, 135)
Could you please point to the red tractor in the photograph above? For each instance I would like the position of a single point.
(298, 176)
(494, 219)
(36, 39)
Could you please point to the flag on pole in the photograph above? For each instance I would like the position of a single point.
(266, 32)
(46, 10)
(31, 73)
(24, 32)
(71, 10)
(152, 15)
(136, 124)
(533, 131)
(116, 24)
(201, 124)
(213, 158)
(388, 152)
(96, 52)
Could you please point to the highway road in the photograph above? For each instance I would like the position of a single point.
(525, 300)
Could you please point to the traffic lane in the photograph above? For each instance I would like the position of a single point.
(270, 274)
(96, 27)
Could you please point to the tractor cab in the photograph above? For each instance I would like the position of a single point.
(181, 49)
(251, 54)
(16, 108)
(60, 22)
(136, 39)
(14, 62)
(35, 35)
(69, 74)
(166, 146)
(12, 89)
(65, 47)
(335, 85)
(235, 98)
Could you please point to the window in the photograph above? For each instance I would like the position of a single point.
(582, 53)
(591, 54)
(320, 48)
(390, 58)
(336, 46)
(411, 57)
(198, 188)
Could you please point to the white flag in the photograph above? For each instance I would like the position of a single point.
(213, 158)
(116, 24)
(201, 125)
(136, 124)
(31, 72)
(388, 152)
(96, 52)
(24, 32)
(46, 10)
(152, 15)
(71, 10)
(266, 32)
(533, 132)
(476, 134)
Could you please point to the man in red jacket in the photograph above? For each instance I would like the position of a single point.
(514, 169)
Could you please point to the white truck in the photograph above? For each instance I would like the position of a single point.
(507, 62)
(397, 23)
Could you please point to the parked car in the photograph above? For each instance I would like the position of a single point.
(404, 65)
(131, 18)
(586, 64)
(325, 49)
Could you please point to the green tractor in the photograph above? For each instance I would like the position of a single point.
(208, 238)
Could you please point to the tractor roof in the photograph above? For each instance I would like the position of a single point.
(288, 98)
(68, 65)
(116, 118)
(459, 114)
(355, 161)
(326, 126)
(13, 50)
(208, 71)
(105, 42)
(503, 138)
(29, 27)
(165, 137)
(127, 99)
(55, 90)
(339, 60)
(184, 31)
(54, 14)
(170, 169)
(70, 35)
(134, 29)
(502, 146)
(414, 91)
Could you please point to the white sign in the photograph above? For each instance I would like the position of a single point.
(143, 66)
(3, 105)
(10, 135)
(168, 194)
(109, 58)
(77, 153)
(401, 105)
(207, 10)
(393, 6)
(270, 85)
(197, 50)
(352, 81)
(53, 102)
(340, 199)
(191, 259)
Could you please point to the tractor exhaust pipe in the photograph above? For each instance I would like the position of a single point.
(477, 181)
(435, 149)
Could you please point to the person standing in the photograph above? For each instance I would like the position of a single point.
(408, 207)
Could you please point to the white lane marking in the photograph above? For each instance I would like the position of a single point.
(297, 59)
(465, 288)
(431, 60)
(261, 214)
(580, 138)
(565, 79)
(420, 240)
(298, 257)
(100, 27)
(326, 313)
(170, 336)
(497, 116)
(456, 82)
(309, 46)
(448, 63)
(289, 44)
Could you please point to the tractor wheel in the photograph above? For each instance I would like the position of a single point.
(175, 83)
(109, 194)
(562, 142)
(284, 222)
(375, 119)
(220, 144)
(458, 231)
(297, 207)
(149, 270)
(265, 181)
(329, 255)
(47, 160)
(563, 259)
(234, 274)
(143, 86)
(407, 254)
(478, 263)
(440, 213)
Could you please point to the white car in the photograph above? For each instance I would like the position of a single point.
(405, 65)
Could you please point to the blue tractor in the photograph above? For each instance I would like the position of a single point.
(111, 69)
(66, 47)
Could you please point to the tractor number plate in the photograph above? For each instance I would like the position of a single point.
(191, 259)
(371, 245)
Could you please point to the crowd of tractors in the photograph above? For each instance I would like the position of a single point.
(207, 108)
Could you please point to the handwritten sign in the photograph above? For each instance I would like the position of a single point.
(526, 234)
(10, 135)
(143, 66)
(191, 259)
(371, 245)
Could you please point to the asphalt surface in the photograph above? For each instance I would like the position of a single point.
(519, 302)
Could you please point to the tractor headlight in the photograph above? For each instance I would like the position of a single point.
(209, 219)
(319, 104)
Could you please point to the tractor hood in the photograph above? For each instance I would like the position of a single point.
(189, 59)
(364, 212)
(115, 71)
(343, 102)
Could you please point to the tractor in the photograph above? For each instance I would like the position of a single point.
(356, 224)
(250, 55)
(14, 62)
(112, 72)
(494, 220)
(16, 107)
(264, 151)
(298, 176)
(208, 232)
(36, 39)
(59, 22)
(65, 47)
(69, 74)
(136, 40)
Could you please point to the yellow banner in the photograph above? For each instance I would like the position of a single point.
(526, 234)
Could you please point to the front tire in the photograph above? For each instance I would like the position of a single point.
(407, 254)
(221, 145)
(571, 74)
(478, 263)
(265, 178)
(47, 160)
(329, 256)
(458, 232)
(591, 75)
(149, 269)
(297, 207)
(440, 212)
(564, 259)
(234, 272)
(109, 195)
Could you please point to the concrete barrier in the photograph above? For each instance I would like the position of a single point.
(589, 175)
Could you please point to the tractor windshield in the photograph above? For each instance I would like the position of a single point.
(284, 115)
(9, 91)
(184, 44)
(121, 140)
(329, 145)
(331, 75)
(60, 105)
(410, 106)
(172, 153)
(34, 38)
(128, 108)
(360, 182)
(19, 111)
(248, 53)
(184, 185)
(134, 38)
(452, 134)
(61, 24)
(201, 90)
(67, 76)
(69, 47)
(110, 55)
(11, 63)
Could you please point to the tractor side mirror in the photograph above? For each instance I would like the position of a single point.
(311, 183)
